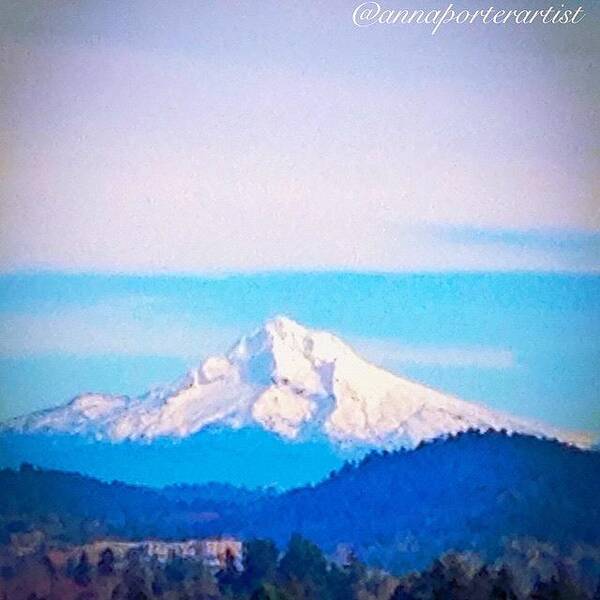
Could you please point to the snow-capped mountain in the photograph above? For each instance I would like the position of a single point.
(289, 380)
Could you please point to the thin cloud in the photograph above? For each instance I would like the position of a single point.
(556, 241)
(148, 326)
(126, 326)
(392, 353)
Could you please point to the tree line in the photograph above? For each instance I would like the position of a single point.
(300, 572)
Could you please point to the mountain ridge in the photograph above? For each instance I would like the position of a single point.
(291, 381)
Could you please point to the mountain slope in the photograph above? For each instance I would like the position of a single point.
(289, 380)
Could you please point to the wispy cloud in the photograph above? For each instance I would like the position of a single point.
(141, 325)
(392, 353)
(552, 240)
(133, 326)
(499, 248)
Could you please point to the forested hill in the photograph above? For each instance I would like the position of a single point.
(471, 491)
(74, 508)
(400, 510)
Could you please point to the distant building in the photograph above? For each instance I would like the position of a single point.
(213, 552)
(28, 542)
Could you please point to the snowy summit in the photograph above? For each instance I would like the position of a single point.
(290, 380)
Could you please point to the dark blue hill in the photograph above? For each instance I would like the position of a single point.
(469, 492)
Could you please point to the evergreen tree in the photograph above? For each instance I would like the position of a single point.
(229, 576)
(175, 569)
(136, 578)
(106, 562)
(259, 564)
(560, 586)
(402, 592)
(503, 586)
(304, 568)
(82, 571)
(268, 591)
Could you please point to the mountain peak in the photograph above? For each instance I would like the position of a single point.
(293, 381)
(283, 351)
(283, 325)
(281, 332)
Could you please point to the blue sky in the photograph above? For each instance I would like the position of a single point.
(281, 157)
(525, 343)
